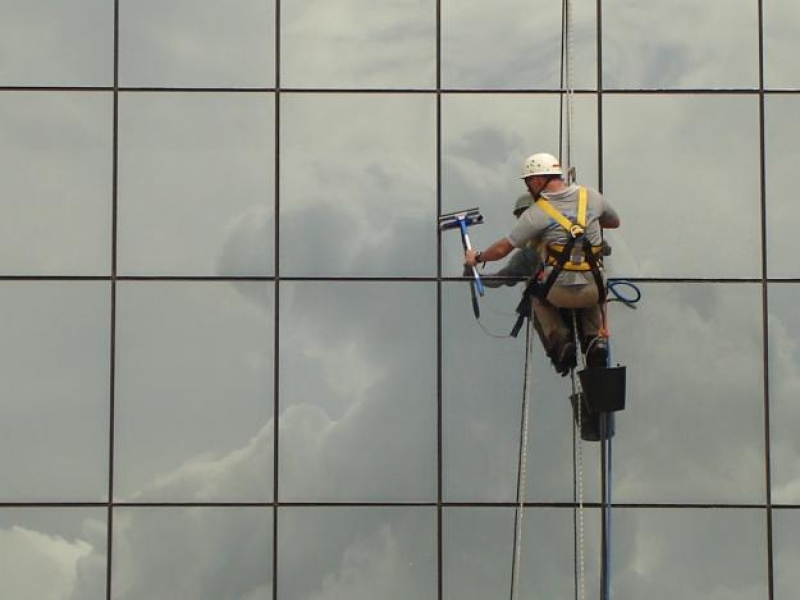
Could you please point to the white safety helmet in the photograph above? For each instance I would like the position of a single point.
(541, 164)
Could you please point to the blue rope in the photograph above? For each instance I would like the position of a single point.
(629, 301)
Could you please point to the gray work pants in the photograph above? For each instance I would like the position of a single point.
(583, 298)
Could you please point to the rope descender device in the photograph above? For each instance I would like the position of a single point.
(462, 220)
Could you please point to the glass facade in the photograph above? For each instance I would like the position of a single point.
(239, 360)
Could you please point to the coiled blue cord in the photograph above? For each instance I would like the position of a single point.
(628, 300)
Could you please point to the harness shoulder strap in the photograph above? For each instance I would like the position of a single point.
(559, 218)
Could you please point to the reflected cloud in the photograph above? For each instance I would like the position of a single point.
(693, 429)
(358, 44)
(670, 45)
(37, 565)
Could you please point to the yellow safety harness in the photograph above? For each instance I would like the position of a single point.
(585, 252)
(578, 254)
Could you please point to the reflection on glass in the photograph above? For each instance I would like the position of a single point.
(683, 173)
(358, 185)
(781, 21)
(55, 216)
(358, 392)
(196, 176)
(693, 428)
(358, 44)
(197, 43)
(485, 140)
(669, 44)
(786, 552)
(482, 383)
(512, 44)
(783, 177)
(57, 43)
(200, 553)
(55, 553)
(784, 389)
(341, 552)
(479, 546)
(54, 407)
(194, 364)
(689, 553)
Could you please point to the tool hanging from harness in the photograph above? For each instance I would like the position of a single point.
(578, 254)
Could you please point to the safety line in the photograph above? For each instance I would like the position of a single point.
(516, 564)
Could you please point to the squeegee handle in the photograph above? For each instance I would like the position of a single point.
(468, 246)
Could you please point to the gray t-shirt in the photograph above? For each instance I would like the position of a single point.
(537, 227)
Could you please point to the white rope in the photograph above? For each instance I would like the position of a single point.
(568, 43)
(567, 74)
(516, 565)
(578, 450)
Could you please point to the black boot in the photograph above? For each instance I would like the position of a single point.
(596, 352)
(564, 359)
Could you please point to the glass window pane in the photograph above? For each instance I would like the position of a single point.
(695, 196)
(357, 553)
(786, 550)
(196, 177)
(482, 384)
(55, 403)
(56, 165)
(358, 392)
(192, 553)
(358, 185)
(54, 553)
(671, 44)
(358, 44)
(693, 429)
(57, 43)
(513, 44)
(194, 383)
(485, 140)
(784, 390)
(783, 177)
(781, 45)
(479, 546)
(197, 43)
(693, 554)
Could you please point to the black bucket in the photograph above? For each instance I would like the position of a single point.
(604, 388)
(591, 423)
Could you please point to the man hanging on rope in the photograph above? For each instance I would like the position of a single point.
(565, 224)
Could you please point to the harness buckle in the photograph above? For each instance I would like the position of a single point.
(576, 231)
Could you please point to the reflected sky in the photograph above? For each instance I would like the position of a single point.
(219, 552)
(194, 362)
(676, 44)
(57, 553)
(784, 380)
(354, 359)
(357, 553)
(782, 178)
(479, 544)
(54, 409)
(694, 169)
(56, 167)
(192, 169)
(781, 20)
(786, 532)
(359, 179)
(358, 185)
(694, 424)
(690, 553)
(197, 43)
(56, 43)
(520, 44)
(358, 44)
